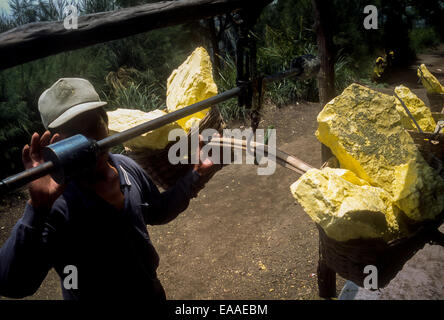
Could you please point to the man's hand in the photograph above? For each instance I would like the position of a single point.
(205, 165)
(43, 191)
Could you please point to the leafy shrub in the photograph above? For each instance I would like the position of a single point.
(344, 73)
(422, 38)
(16, 127)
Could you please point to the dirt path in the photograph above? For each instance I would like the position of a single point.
(244, 237)
(432, 58)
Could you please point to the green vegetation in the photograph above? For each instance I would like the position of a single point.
(423, 38)
(132, 72)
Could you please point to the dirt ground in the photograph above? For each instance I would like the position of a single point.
(245, 237)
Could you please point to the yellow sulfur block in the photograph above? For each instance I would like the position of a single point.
(417, 108)
(346, 210)
(190, 83)
(349, 176)
(363, 129)
(123, 119)
(191, 123)
(429, 81)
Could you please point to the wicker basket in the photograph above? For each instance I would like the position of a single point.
(348, 258)
(156, 163)
(436, 101)
(431, 147)
(438, 116)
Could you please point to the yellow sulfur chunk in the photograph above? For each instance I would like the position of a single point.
(345, 210)
(350, 177)
(190, 83)
(417, 108)
(363, 129)
(122, 119)
(429, 81)
(191, 123)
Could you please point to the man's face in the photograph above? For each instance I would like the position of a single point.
(90, 124)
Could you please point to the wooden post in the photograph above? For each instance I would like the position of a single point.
(326, 84)
(326, 78)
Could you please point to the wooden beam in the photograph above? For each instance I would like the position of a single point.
(41, 39)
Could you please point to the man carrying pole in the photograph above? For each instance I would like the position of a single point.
(91, 229)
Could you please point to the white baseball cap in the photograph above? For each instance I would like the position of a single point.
(66, 99)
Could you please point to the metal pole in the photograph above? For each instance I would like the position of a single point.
(409, 113)
(168, 118)
(24, 177)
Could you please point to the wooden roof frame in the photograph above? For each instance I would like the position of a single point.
(41, 39)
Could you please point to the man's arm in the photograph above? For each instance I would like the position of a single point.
(166, 206)
(24, 261)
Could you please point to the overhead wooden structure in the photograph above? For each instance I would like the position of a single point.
(41, 39)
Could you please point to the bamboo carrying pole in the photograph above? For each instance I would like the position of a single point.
(283, 158)
(280, 161)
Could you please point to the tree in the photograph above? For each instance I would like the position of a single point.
(326, 79)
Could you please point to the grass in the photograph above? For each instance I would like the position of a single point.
(136, 96)
(227, 80)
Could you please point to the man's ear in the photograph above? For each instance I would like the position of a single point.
(104, 115)
(104, 118)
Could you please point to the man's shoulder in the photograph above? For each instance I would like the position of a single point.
(128, 165)
(121, 159)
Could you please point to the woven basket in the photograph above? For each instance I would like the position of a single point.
(438, 116)
(436, 101)
(349, 258)
(431, 147)
(156, 163)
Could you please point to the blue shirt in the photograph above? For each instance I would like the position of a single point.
(110, 249)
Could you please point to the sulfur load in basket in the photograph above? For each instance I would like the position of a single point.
(363, 129)
(190, 83)
(123, 119)
(345, 206)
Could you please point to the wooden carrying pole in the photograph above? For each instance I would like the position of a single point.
(41, 39)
